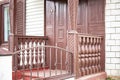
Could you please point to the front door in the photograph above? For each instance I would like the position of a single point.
(60, 23)
(56, 27)
(56, 22)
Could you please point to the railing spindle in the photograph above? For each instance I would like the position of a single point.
(61, 60)
(56, 61)
(50, 61)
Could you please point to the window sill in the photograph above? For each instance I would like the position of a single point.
(5, 45)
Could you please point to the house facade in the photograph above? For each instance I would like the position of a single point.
(113, 37)
(77, 26)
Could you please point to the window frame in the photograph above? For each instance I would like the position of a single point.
(2, 22)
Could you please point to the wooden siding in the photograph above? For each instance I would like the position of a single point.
(35, 17)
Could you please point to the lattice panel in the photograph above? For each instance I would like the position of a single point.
(70, 43)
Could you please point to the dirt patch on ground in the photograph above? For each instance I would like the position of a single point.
(113, 78)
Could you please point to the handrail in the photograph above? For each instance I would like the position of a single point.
(28, 36)
(43, 46)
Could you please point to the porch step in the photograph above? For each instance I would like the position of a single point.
(61, 77)
(43, 75)
(97, 76)
(5, 45)
(19, 74)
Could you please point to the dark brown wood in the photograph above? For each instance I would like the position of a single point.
(50, 16)
(50, 22)
(90, 54)
(72, 44)
(12, 25)
(86, 17)
(82, 17)
(72, 8)
(17, 20)
(60, 27)
(20, 17)
(96, 23)
(61, 23)
(56, 23)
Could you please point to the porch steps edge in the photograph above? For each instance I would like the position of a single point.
(97, 76)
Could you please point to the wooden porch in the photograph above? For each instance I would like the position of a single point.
(80, 48)
(34, 59)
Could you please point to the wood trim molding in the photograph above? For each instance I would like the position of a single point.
(12, 24)
(12, 16)
(2, 6)
(24, 17)
(4, 2)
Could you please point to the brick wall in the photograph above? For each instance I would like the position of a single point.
(113, 37)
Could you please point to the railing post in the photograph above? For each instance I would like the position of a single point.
(11, 43)
(73, 47)
(102, 54)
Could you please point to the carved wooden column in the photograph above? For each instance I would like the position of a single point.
(72, 34)
(72, 10)
(12, 25)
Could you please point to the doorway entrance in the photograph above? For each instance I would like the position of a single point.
(56, 22)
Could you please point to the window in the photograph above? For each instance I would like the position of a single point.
(35, 17)
(6, 22)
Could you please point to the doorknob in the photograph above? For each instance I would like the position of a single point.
(51, 11)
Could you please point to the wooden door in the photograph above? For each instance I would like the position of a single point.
(60, 23)
(56, 27)
(56, 22)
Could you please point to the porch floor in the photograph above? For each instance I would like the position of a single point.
(45, 73)
(40, 75)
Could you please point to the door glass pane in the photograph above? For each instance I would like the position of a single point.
(6, 23)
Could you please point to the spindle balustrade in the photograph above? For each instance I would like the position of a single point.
(87, 51)
(24, 42)
(30, 58)
(83, 57)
